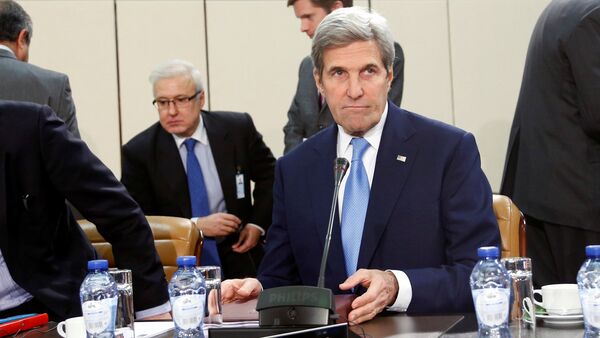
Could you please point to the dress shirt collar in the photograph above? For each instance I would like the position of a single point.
(198, 135)
(6, 48)
(373, 135)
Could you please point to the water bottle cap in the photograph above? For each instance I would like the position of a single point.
(186, 261)
(592, 250)
(488, 252)
(98, 264)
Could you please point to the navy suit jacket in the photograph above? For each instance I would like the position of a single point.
(45, 250)
(426, 216)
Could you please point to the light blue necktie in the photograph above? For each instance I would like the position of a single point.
(199, 202)
(354, 210)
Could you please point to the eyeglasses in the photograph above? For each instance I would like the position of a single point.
(179, 102)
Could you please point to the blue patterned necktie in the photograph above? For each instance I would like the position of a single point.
(354, 210)
(199, 202)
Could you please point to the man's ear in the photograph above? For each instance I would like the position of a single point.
(317, 77)
(202, 99)
(337, 5)
(22, 45)
(390, 77)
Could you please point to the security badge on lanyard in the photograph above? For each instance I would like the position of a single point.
(239, 184)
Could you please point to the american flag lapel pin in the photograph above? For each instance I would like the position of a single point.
(401, 158)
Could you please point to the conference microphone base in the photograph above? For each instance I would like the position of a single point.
(296, 306)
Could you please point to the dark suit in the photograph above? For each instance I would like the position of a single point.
(22, 81)
(155, 176)
(307, 116)
(45, 250)
(426, 216)
(552, 169)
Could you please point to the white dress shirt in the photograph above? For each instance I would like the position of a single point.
(344, 149)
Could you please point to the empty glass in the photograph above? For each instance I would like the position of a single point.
(214, 308)
(125, 313)
(519, 269)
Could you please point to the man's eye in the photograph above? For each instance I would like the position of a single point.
(181, 99)
(162, 102)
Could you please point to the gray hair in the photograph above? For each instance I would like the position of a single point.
(347, 25)
(14, 19)
(173, 68)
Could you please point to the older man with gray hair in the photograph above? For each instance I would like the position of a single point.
(199, 164)
(413, 208)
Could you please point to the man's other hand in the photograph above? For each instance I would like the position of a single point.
(240, 290)
(249, 237)
(218, 224)
(382, 290)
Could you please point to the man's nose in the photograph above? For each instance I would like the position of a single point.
(355, 88)
(304, 26)
(171, 108)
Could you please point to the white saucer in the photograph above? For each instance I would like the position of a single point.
(561, 320)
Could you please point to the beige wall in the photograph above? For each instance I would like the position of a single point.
(464, 60)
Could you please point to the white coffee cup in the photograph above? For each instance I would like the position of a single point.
(72, 328)
(559, 299)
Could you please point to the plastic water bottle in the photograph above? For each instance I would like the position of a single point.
(99, 297)
(187, 294)
(588, 279)
(490, 286)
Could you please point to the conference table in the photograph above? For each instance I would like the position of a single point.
(385, 325)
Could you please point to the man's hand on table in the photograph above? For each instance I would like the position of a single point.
(382, 290)
(240, 290)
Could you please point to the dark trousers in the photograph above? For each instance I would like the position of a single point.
(31, 306)
(556, 251)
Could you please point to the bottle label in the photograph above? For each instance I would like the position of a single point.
(491, 306)
(590, 302)
(188, 311)
(98, 315)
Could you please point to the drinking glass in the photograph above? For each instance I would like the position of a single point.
(125, 313)
(214, 308)
(519, 269)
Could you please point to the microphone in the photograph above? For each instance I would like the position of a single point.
(339, 168)
(304, 305)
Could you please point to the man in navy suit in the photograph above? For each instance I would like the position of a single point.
(428, 205)
(43, 251)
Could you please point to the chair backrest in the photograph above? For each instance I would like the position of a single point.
(512, 227)
(173, 237)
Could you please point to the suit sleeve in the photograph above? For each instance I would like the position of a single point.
(582, 49)
(397, 88)
(468, 222)
(91, 187)
(262, 167)
(135, 177)
(66, 107)
(294, 131)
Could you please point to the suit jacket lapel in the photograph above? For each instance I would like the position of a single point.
(322, 169)
(388, 180)
(171, 170)
(223, 152)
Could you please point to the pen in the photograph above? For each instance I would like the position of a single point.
(17, 317)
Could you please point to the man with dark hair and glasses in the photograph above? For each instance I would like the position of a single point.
(199, 164)
(22, 81)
